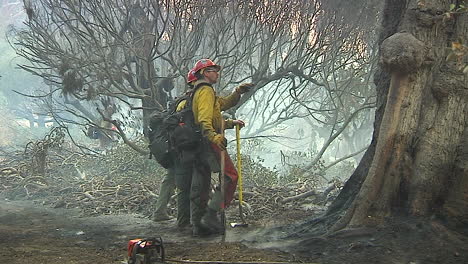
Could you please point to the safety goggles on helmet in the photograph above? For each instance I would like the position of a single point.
(210, 70)
(205, 63)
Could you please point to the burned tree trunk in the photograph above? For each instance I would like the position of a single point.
(417, 164)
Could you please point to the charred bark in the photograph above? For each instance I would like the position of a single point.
(393, 12)
(416, 165)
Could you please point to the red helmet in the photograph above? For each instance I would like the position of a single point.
(191, 76)
(205, 63)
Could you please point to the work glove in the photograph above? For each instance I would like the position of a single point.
(220, 141)
(238, 122)
(245, 87)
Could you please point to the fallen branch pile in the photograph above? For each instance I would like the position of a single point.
(119, 182)
(297, 200)
(122, 181)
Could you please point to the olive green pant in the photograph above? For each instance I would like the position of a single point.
(168, 185)
(194, 186)
(183, 175)
(165, 192)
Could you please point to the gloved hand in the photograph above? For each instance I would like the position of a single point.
(238, 122)
(220, 141)
(245, 87)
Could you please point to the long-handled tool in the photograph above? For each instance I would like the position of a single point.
(239, 180)
(222, 187)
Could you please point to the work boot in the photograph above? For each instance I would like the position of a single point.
(211, 220)
(159, 217)
(200, 230)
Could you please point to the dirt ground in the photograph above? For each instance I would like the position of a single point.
(33, 233)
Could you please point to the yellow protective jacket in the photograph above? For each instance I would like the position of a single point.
(207, 107)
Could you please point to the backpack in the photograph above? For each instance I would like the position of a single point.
(159, 139)
(174, 133)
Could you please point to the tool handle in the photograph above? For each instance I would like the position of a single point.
(222, 183)
(239, 164)
(239, 173)
(222, 166)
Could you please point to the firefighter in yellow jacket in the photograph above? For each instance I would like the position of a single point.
(207, 107)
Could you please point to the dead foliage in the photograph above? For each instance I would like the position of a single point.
(122, 181)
